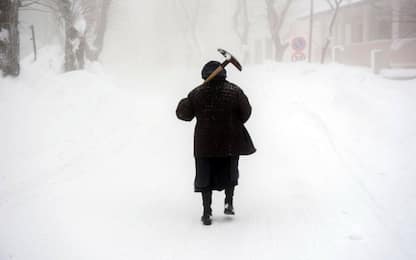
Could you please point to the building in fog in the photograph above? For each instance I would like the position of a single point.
(362, 27)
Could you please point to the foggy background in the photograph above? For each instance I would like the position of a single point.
(94, 163)
(170, 32)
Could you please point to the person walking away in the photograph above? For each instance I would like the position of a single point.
(221, 108)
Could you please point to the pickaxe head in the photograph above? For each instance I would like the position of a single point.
(230, 58)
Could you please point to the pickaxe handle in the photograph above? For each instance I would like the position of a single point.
(216, 71)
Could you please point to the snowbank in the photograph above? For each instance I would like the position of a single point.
(399, 74)
(53, 119)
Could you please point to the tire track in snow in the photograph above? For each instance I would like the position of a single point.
(377, 209)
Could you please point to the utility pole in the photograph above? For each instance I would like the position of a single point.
(310, 31)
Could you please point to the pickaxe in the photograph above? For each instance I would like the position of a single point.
(229, 58)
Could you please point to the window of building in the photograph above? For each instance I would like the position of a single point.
(405, 19)
(348, 33)
(407, 30)
(357, 33)
(383, 29)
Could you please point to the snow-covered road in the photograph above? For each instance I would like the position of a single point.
(95, 166)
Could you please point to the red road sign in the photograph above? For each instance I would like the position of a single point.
(298, 56)
(298, 44)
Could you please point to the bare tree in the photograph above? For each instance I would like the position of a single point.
(276, 18)
(241, 26)
(334, 5)
(71, 14)
(83, 22)
(9, 37)
(74, 26)
(96, 28)
(191, 15)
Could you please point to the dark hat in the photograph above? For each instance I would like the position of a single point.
(209, 68)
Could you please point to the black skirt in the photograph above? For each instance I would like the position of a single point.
(215, 173)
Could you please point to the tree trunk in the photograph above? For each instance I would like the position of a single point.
(241, 27)
(276, 21)
(69, 64)
(93, 52)
(192, 16)
(74, 40)
(331, 27)
(9, 37)
(280, 49)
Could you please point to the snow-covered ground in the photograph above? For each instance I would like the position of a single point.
(95, 165)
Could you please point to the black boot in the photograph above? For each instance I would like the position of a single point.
(206, 219)
(228, 203)
(206, 202)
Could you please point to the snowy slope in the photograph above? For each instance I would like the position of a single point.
(96, 166)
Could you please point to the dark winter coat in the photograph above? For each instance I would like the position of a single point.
(216, 173)
(221, 109)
